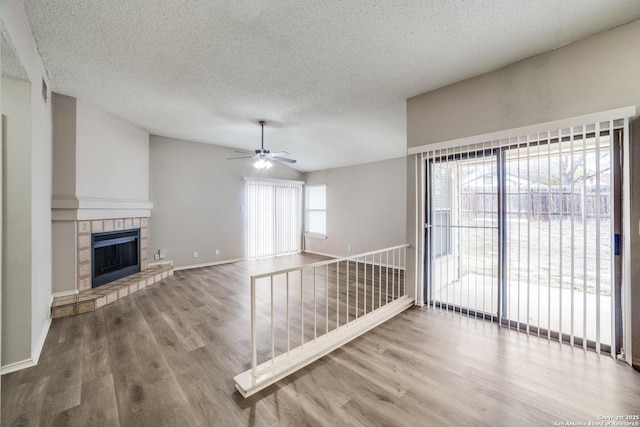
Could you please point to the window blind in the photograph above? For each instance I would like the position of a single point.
(274, 223)
(557, 270)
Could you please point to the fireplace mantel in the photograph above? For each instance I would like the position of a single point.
(83, 209)
(73, 222)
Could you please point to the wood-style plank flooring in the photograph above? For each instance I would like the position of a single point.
(167, 356)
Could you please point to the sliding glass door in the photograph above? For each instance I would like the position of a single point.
(462, 233)
(525, 234)
(274, 217)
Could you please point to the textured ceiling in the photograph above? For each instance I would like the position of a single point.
(330, 77)
(11, 65)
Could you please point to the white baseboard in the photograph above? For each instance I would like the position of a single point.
(306, 251)
(207, 264)
(35, 354)
(164, 262)
(64, 294)
(37, 350)
(17, 366)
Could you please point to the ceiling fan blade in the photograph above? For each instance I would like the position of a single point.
(262, 154)
(237, 158)
(282, 159)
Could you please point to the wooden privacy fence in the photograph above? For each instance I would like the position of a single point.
(539, 202)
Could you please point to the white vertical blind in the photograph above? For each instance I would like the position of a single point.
(559, 269)
(274, 217)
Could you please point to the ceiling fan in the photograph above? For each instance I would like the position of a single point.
(263, 156)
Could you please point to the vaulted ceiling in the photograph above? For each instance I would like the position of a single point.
(330, 77)
(11, 65)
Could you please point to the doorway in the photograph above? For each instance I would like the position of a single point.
(274, 217)
(527, 234)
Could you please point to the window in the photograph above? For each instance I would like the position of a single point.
(441, 194)
(316, 211)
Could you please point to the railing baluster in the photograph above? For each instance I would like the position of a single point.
(386, 292)
(380, 280)
(393, 275)
(315, 308)
(273, 334)
(364, 304)
(396, 269)
(338, 295)
(348, 279)
(254, 333)
(326, 299)
(373, 281)
(301, 309)
(357, 290)
(288, 328)
(400, 275)
(404, 271)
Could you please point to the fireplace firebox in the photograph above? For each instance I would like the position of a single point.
(116, 254)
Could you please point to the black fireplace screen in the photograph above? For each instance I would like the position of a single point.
(116, 254)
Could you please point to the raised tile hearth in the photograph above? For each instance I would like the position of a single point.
(93, 299)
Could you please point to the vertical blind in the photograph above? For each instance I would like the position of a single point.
(557, 272)
(274, 217)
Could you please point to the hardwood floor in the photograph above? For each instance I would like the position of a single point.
(167, 356)
(343, 294)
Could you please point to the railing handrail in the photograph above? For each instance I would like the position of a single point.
(323, 263)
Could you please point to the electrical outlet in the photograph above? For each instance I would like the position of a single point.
(162, 253)
(349, 248)
(195, 254)
(217, 251)
(156, 256)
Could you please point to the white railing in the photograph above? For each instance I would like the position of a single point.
(300, 314)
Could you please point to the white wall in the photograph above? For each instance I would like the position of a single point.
(16, 248)
(15, 21)
(64, 146)
(64, 271)
(41, 183)
(198, 199)
(112, 156)
(596, 74)
(366, 207)
(64, 187)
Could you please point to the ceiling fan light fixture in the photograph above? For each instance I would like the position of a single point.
(262, 164)
(264, 158)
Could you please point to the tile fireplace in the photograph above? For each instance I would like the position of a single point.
(121, 229)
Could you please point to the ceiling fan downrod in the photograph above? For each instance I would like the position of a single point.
(262, 123)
